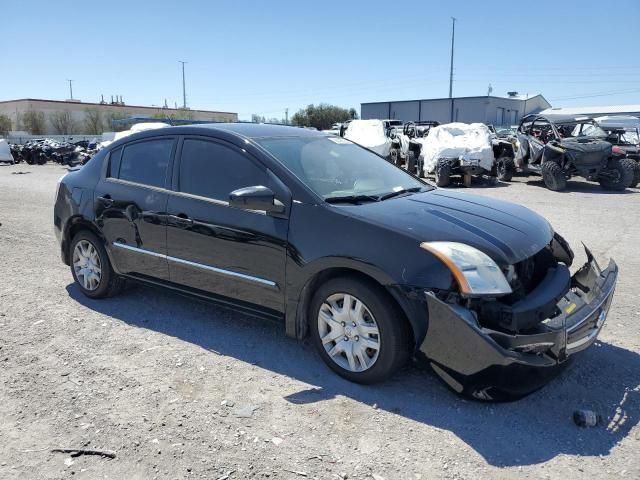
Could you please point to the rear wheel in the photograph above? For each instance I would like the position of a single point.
(553, 176)
(91, 268)
(358, 331)
(394, 157)
(634, 167)
(505, 167)
(443, 173)
(617, 175)
(411, 162)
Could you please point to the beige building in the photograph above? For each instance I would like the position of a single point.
(51, 117)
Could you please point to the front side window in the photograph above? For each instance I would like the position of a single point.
(335, 167)
(212, 170)
(146, 162)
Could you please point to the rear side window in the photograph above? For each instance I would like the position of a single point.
(213, 170)
(146, 162)
(114, 163)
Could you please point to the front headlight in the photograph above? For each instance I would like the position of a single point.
(474, 271)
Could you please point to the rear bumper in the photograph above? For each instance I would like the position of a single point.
(491, 365)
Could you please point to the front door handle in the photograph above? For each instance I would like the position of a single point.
(181, 220)
(105, 200)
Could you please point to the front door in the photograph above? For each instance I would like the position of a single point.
(130, 203)
(214, 248)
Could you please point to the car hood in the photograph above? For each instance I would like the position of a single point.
(507, 232)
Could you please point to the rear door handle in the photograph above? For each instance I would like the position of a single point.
(106, 200)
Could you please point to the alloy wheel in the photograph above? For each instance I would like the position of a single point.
(87, 265)
(349, 332)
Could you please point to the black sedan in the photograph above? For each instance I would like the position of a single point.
(373, 264)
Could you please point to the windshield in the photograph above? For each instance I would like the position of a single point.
(335, 168)
(581, 129)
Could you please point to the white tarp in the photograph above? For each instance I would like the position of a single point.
(471, 143)
(370, 134)
(138, 127)
(5, 152)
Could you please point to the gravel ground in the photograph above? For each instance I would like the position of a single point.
(182, 389)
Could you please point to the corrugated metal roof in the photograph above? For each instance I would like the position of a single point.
(597, 110)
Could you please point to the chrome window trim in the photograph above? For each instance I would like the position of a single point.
(222, 271)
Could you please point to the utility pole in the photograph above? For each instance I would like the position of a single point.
(70, 89)
(286, 116)
(184, 90)
(453, 37)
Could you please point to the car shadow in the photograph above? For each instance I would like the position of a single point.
(532, 430)
(583, 187)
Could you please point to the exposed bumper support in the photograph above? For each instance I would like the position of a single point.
(492, 365)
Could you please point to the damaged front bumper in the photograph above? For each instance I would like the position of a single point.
(492, 365)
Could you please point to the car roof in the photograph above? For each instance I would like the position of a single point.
(257, 130)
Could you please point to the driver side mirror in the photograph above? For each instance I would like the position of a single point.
(256, 198)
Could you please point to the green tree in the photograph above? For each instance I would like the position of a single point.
(33, 122)
(62, 122)
(321, 116)
(257, 118)
(115, 115)
(93, 123)
(5, 125)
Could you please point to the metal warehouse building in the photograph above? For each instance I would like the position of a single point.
(486, 109)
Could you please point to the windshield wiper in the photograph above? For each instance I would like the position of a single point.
(352, 199)
(399, 192)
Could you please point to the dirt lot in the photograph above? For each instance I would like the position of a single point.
(182, 389)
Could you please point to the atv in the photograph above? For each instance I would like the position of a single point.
(561, 148)
(623, 132)
(407, 144)
(465, 150)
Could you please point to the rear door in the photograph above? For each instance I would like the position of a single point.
(217, 249)
(130, 204)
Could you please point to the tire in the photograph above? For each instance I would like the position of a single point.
(622, 175)
(412, 162)
(553, 176)
(109, 282)
(505, 167)
(634, 167)
(392, 339)
(394, 157)
(443, 173)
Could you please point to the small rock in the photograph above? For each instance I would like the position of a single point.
(245, 411)
(375, 476)
(276, 440)
(68, 461)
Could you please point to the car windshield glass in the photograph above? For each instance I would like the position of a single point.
(583, 129)
(336, 168)
(630, 137)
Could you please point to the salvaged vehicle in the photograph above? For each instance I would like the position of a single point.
(292, 224)
(406, 145)
(465, 150)
(564, 147)
(372, 134)
(623, 132)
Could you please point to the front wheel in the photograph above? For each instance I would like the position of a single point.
(553, 176)
(443, 173)
(617, 175)
(505, 168)
(357, 331)
(91, 268)
(412, 163)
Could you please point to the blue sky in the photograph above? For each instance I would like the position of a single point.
(263, 56)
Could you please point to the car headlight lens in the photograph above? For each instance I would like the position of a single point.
(474, 271)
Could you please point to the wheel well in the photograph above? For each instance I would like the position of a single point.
(75, 226)
(302, 317)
